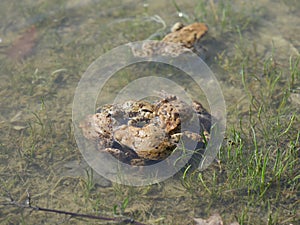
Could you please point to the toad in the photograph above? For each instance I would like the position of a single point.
(142, 133)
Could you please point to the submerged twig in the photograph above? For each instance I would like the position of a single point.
(28, 205)
(157, 19)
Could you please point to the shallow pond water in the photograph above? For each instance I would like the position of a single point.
(252, 48)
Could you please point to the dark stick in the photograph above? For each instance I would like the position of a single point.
(28, 205)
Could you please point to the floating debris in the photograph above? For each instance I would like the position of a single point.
(17, 123)
(215, 219)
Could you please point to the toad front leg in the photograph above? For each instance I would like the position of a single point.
(123, 155)
(199, 138)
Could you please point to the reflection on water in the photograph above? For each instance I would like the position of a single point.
(47, 45)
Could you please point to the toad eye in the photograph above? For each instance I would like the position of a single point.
(146, 110)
